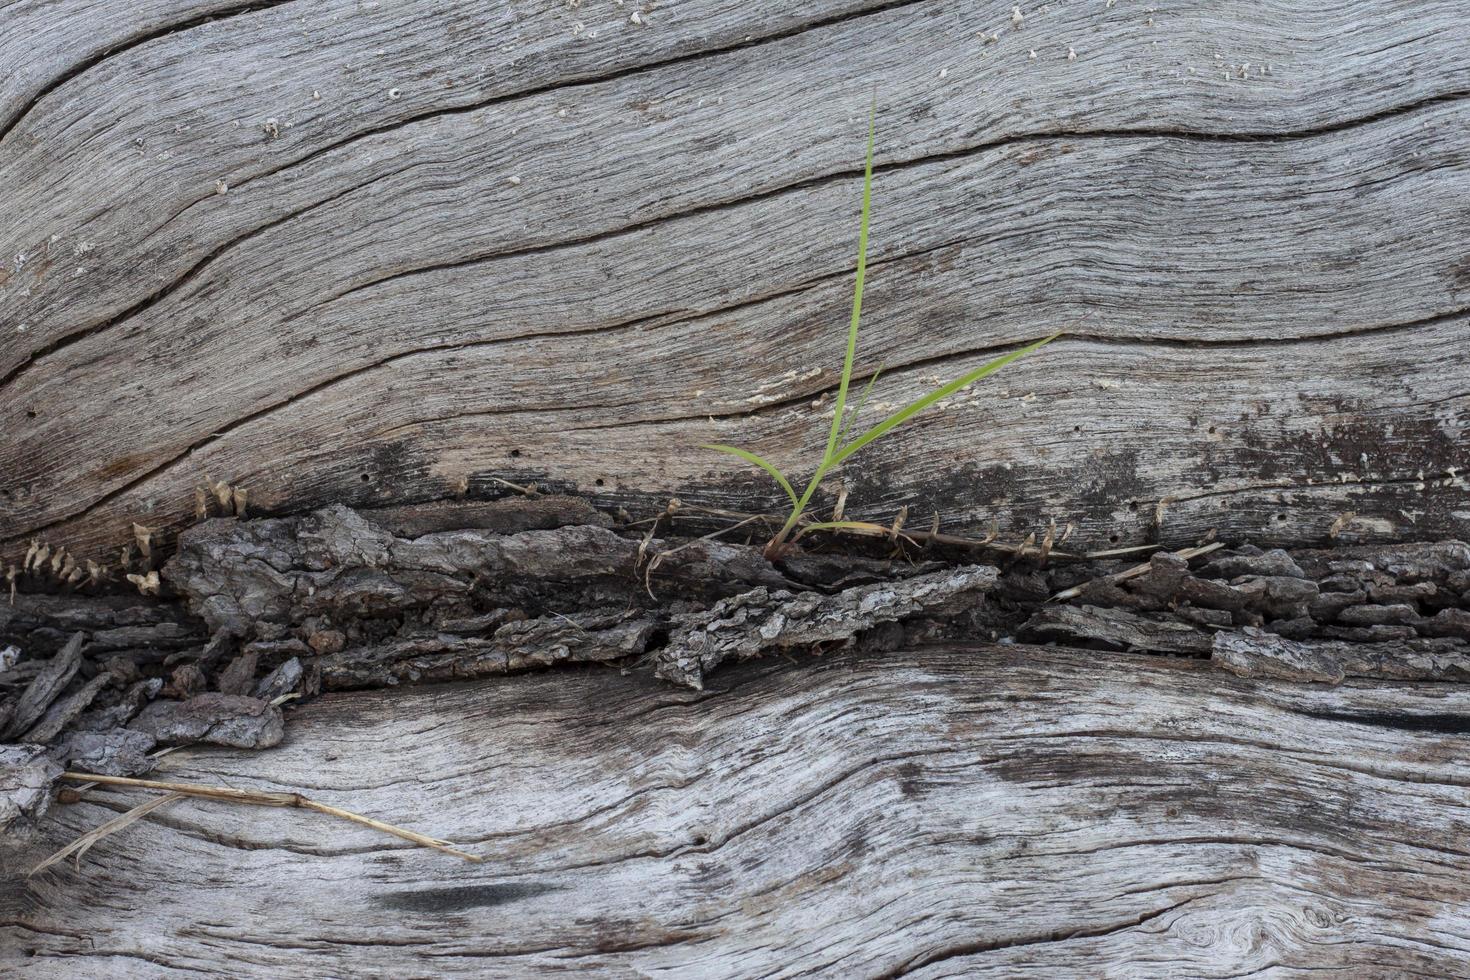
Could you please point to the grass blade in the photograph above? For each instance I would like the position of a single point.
(919, 404)
(751, 457)
(858, 410)
(857, 294)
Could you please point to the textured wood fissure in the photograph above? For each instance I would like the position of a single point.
(890, 371)
(1055, 936)
(886, 166)
(77, 334)
(657, 319)
(996, 811)
(73, 335)
(897, 369)
(128, 44)
(883, 6)
(68, 339)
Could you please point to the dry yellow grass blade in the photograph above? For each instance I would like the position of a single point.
(82, 844)
(261, 798)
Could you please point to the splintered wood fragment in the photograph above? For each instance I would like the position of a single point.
(1116, 552)
(262, 798)
(1137, 570)
(147, 584)
(144, 538)
(764, 621)
(529, 489)
(1119, 627)
(1256, 653)
(46, 686)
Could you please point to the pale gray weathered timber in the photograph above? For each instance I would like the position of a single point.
(997, 811)
(1261, 207)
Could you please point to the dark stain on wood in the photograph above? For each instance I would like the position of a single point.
(1437, 722)
(121, 466)
(462, 898)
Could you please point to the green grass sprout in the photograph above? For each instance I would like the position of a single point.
(839, 447)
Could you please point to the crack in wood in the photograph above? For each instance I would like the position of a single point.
(128, 44)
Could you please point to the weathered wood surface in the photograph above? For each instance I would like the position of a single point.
(1262, 207)
(998, 811)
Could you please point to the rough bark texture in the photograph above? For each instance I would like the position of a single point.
(462, 242)
(265, 609)
(997, 811)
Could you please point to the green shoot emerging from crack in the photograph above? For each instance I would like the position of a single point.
(839, 448)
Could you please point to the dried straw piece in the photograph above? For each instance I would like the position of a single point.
(260, 798)
(84, 843)
(1136, 570)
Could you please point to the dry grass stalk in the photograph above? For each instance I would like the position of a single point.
(84, 843)
(260, 798)
(1136, 570)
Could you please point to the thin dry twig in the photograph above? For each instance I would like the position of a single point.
(1135, 571)
(1115, 552)
(530, 489)
(658, 558)
(83, 844)
(261, 798)
(988, 542)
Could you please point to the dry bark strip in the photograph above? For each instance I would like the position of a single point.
(1398, 612)
(759, 622)
(996, 811)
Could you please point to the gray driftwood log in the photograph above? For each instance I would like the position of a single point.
(328, 252)
(991, 811)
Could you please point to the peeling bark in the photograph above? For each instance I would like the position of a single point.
(221, 719)
(1255, 653)
(45, 688)
(761, 621)
(278, 606)
(26, 776)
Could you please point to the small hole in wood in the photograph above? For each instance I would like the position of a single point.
(1076, 428)
(1281, 518)
(365, 478)
(1114, 538)
(1212, 430)
(515, 454)
(30, 414)
(598, 481)
(1133, 506)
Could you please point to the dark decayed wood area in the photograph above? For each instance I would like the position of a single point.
(365, 272)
